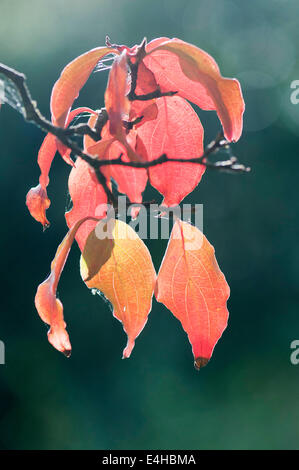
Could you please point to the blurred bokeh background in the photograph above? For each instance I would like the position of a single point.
(248, 396)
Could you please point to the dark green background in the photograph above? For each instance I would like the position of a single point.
(247, 397)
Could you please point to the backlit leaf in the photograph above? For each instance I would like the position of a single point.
(88, 197)
(194, 74)
(50, 308)
(70, 82)
(177, 131)
(191, 285)
(37, 199)
(121, 267)
(117, 103)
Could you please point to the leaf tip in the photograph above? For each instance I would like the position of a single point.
(128, 349)
(46, 225)
(200, 362)
(38, 202)
(59, 338)
(67, 352)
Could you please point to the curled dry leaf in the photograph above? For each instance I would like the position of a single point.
(191, 285)
(121, 267)
(50, 308)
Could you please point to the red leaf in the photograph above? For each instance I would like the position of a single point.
(130, 181)
(64, 151)
(117, 103)
(177, 131)
(147, 110)
(146, 81)
(182, 67)
(191, 285)
(38, 202)
(121, 267)
(37, 199)
(50, 308)
(88, 197)
(70, 82)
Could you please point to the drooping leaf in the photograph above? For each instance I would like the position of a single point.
(88, 197)
(130, 181)
(191, 285)
(117, 103)
(177, 131)
(38, 202)
(71, 80)
(146, 81)
(121, 267)
(50, 308)
(194, 74)
(37, 199)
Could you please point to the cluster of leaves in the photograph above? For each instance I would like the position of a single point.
(146, 115)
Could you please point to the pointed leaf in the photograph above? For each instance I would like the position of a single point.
(130, 181)
(70, 82)
(182, 67)
(117, 103)
(88, 197)
(38, 202)
(191, 285)
(178, 132)
(126, 278)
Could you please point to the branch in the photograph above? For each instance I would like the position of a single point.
(32, 114)
(133, 66)
(230, 165)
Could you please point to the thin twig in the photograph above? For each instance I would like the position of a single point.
(32, 114)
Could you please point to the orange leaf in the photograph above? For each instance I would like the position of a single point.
(182, 67)
(121, 267)
(191, 285)
(70, 82)
(50, 308)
